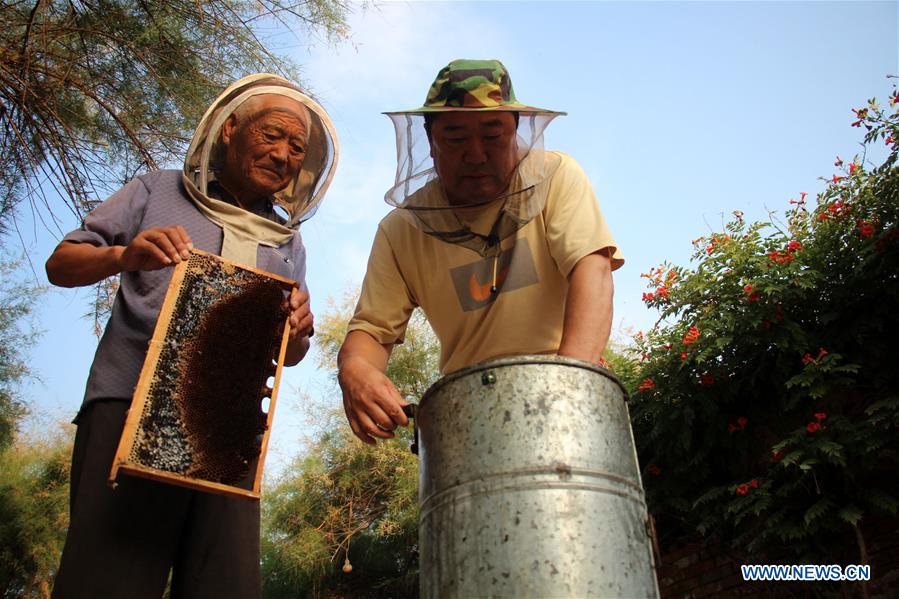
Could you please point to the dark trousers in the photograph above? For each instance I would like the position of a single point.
(123, 542)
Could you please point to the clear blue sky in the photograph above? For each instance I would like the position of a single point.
(679, 112)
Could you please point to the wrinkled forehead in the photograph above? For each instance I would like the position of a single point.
(262, 105)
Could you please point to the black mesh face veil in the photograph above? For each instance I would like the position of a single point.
(480, 225)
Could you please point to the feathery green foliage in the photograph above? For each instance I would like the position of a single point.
(93, 92)
(345, 505)
(16, 303)
(34, 513)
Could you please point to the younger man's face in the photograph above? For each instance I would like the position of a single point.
(474, 153)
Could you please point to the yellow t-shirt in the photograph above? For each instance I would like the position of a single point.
(409, 268)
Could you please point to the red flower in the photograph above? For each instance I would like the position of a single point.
(691, 336)
(780, 258)
(644, 357)
(813, 427)
(807, 359)
(710, 248)
(754, 483)
(888, 140)
(853, 167)
(794, 246)
(838, 208)
(803, 194)
(602, 362)
(823, 216)
(646, 385)
(731, 428)
(865, 228)
(683, 355)
(654, 470)
(839, 162)
(747, 289)
(707, 379)
(742, 421)
(821, 352)
(837, 178)
(742, 489)
(819, 416)
(662, 291)
(776, 456)
(648, 297)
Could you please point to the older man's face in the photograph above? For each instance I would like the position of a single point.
(264, 153)
(474, 154)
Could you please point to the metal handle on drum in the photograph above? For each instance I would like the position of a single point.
(409, 411)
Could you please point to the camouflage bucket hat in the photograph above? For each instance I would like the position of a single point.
(473, 85)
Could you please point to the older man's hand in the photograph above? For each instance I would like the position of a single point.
(299, 314)
(156, 248)
(74, 264)
(299, 317)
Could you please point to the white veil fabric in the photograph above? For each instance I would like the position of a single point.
(244, 230)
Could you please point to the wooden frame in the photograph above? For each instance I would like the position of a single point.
(123, 461)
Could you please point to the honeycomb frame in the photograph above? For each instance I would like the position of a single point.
(196, 418)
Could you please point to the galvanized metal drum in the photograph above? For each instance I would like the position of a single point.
(530, 485)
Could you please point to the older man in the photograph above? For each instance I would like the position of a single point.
(501, 243)
(259, 164)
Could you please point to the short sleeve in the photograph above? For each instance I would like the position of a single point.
(117, 220)
(385, 304)
(575, 226)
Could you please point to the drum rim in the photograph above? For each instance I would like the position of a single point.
(521, 360)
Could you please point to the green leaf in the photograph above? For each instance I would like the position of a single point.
(881, 500)
(817, 510)
(850, 514)
(792, 458)
(807, 464)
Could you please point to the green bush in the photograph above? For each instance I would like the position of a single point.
(766, 405)
(34, 511)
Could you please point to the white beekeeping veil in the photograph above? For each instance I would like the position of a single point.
(244, 230)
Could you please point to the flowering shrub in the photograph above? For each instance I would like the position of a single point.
(766, 404)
